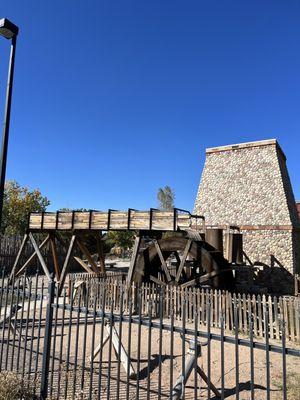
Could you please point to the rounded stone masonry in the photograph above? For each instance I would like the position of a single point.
(248, 185)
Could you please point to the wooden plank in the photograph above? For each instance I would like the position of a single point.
(134, 256)
(55, 258)
(86, 252)
(39, 254)
(271, 317)
(292, 322)
(66, 263)
(245, 319)
(41, 246)
(99, 220)
(162, 260)
(101, 254)
(183, 259)
(254, 315)
(24, 241)
(118, 220)
(64, 220)
(286, 318)
(276, 318)
(259, 315)
(85, 266)
(156, 280)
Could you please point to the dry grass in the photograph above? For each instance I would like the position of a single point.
(14, 387)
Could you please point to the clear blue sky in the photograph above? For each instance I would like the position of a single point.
(113, 99)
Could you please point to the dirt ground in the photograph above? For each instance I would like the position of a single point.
(74, 380)
(129, 390)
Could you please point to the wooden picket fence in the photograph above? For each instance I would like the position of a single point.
(286, 308)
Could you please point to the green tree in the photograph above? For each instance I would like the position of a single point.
(18, 202)
(165, 197)
(122, 239)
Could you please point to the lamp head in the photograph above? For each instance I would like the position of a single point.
(8, 29)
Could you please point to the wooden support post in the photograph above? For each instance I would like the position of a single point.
(54, 256)
(24, 266)
(40, 257)
(25, 238)
(193, 353)
(182, 262)
(85, 251)
(66, 263)
(123, 356)
(100, 253)
(162, 260)
(85, 266)
(135, 253)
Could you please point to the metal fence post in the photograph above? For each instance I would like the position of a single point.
(47, 339)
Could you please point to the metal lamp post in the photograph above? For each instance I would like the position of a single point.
(9, 31)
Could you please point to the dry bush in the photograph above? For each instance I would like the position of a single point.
(14, 387)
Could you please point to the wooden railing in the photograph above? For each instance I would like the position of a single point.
(221, 303)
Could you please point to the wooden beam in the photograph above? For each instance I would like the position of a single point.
(162, 260)
(182, 261)
(54, 256)
(41, 246)
(156, 280)
(24, 241)
(90, 259)
(85, 266)
(100, 252)
(66, 263)
(39, 254)
(209, 383)
(135, 253)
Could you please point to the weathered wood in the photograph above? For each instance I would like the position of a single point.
(54, 256)
(66, 263)
(86, 252)
(162, 260)
(183, 260)
(25, 238)
(112, 220)
(101, 254)
(41, 246)
(134, 256)
(85, 266)
(39, 254)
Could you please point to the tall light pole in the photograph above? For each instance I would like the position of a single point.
(9, 31)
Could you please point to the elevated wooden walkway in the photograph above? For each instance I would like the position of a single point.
(153, 220)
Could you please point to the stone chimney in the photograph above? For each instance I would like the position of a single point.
(248, 185)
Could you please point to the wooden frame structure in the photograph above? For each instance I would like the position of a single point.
(152, 220)
(52, 225)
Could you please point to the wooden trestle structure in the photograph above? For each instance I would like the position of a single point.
(194, 260)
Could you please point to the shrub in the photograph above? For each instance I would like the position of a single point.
(14, 387)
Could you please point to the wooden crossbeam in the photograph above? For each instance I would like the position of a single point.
(182, 261)
(162, 260)
(156, 280)
(66, 263)
(135, 253)
(39, 254)
(100, 252)
(54, 257)
(25, 238)
(117, 343)
(28, 261)
(85, 266)
(90, 259)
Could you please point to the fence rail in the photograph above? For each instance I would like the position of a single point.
(222, 302)
(117, 344)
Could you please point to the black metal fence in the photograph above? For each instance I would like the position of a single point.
(64, 351)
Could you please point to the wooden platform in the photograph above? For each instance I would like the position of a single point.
(131, 219)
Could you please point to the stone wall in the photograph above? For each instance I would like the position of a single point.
(248, 185)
